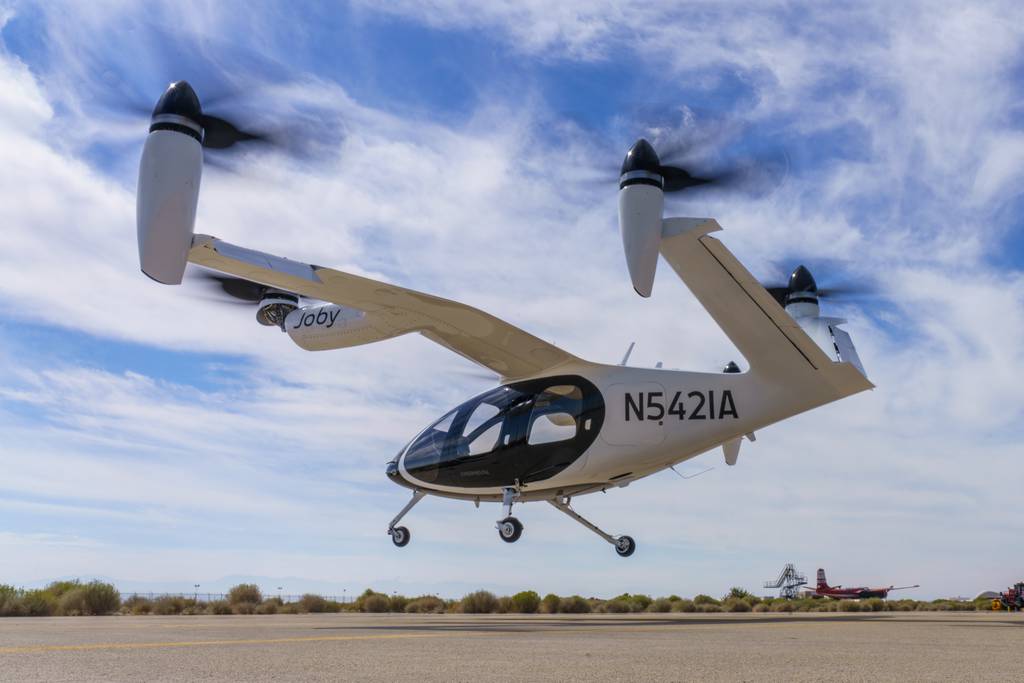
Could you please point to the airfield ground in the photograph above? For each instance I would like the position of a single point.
(636, 647)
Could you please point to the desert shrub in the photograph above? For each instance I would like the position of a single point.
(101, 598)
(137, 604)
(640, 602)
(38, 603)
(761, 607)
(313, 603)
(219, 607)
(376, 603)
(58, 588)
(525, 602)
(783, 606)
(268, 607)
(736, 605)
(397, 603)
(674, 598)
(11, 602)
(244, 608)
(660, 605)
(574, 605)
(193, 609)
(371, 601)
(702, 599)
(737, 592)
(708, 607)
(849, 606)
(72, 603)
(290, 608)
(550, 603)
(504, 605)
(245, 592)
(617, 606)
(426, 604)
(683, 605)
(169, 604)
(478, 602)
(872, 605)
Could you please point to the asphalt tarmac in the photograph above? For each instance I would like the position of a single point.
(597, 647)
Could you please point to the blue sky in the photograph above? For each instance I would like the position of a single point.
(159, 439)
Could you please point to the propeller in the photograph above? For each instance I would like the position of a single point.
(179, 107)
(679, 171)
(228, 289)
(802, 282)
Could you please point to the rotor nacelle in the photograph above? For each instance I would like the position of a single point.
(168, 190)
(641, 203)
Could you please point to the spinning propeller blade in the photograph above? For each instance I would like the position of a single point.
(801, 281)
(229, 289)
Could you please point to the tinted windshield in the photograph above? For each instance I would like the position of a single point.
(512, 431)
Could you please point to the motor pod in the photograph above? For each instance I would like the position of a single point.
(275, 308)
(641, 201)
(168, 190)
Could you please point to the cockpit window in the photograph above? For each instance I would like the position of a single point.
(552, 428)
(522, 431)
(555, 415)
(481, 415)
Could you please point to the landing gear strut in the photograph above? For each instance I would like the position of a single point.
(399, 534)
(509, 528)
(624, 545)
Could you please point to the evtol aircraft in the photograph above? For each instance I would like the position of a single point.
(853, 592)
(557, 426)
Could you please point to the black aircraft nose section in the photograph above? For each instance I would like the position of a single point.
(641, 157)
(802, 281)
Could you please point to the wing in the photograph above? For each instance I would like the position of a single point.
(493, 343)
(768, 337)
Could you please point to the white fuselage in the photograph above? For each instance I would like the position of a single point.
(654, 418)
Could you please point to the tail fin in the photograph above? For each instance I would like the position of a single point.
(822, 582)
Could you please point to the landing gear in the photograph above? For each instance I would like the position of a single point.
(624, 545)
(509, 528)
(400, 535)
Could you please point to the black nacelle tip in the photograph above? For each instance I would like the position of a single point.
(802, 281)
(180, 100)
(641, 157)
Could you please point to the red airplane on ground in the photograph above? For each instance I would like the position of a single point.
(839, 593)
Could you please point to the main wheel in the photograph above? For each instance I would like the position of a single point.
(510, 529)
(624, 546)
(400, 536)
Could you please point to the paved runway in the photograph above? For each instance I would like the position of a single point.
(325, 647)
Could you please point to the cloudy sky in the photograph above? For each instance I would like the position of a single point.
(158, 438)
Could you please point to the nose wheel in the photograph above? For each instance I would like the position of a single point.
(510, 529)
(399, 534)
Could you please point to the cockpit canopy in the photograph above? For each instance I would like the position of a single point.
(525, 431)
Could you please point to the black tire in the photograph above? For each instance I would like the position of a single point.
(510, 529)
(400, 536)
(625, 546)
